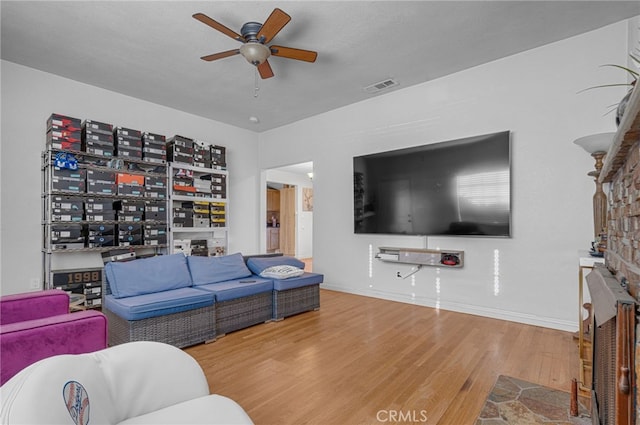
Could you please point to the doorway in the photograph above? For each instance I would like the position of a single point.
(288, 220)
(281, 219)
(286, 189)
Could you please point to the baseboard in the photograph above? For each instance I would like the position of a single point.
(511, 316)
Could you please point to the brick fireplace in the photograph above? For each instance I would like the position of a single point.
(621, 171)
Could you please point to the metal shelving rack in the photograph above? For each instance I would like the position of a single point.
(218, 234)
(94, 162)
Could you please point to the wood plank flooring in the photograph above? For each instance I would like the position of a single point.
(361, 360)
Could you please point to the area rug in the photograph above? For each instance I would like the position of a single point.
(516, 402)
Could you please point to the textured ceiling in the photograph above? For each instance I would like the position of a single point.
(151, 50)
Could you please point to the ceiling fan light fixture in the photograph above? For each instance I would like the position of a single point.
(255, 38)
(255, 53)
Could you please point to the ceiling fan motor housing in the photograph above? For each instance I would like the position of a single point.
(253, 50)
(250, 31)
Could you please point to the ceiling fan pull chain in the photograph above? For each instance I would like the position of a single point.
(255, 85)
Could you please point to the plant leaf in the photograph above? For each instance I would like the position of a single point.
(630, 71)
(605, 85)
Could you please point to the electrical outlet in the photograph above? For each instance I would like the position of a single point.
(34, 283)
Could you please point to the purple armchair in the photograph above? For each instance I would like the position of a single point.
(37, 325)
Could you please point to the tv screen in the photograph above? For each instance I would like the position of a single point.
(458, 187)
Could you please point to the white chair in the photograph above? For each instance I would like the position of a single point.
(140, 382)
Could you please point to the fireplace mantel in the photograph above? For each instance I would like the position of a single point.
(621, 169)
(625, 138)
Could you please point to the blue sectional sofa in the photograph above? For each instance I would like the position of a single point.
(188, 300)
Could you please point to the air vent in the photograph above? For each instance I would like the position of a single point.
(382, 85)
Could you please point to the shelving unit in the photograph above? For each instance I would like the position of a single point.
(198, 209)
(112, 194)
(69, 229)
(422, 257)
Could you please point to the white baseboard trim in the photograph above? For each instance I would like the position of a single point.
(511, 316)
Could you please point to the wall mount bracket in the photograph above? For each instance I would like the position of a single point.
(413, 271)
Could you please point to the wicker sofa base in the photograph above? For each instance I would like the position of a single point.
(243, 312)
(179, 329)
(297, 300)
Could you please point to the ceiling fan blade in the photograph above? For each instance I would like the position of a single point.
(218, 26)
(272, 26)
(265, 70)
(291, 53)
(220, 55)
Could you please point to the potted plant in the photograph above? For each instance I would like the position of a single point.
(620, 107)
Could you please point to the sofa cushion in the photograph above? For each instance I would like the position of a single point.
(206, 270)
(258, 264)
(147, 275)
(297, 282)
(158, 303)
(234, 289)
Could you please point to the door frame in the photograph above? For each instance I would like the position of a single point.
(300, 181)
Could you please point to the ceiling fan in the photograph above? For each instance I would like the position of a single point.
(254, 38)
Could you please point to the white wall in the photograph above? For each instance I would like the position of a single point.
(30, 96)
(529, 278)
(304, 219)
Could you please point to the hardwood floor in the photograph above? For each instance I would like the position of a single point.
(361, 360)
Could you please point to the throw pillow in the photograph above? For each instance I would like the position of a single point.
(258, 264)
(282, 272)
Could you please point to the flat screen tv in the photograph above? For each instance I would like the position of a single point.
(458, 187)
